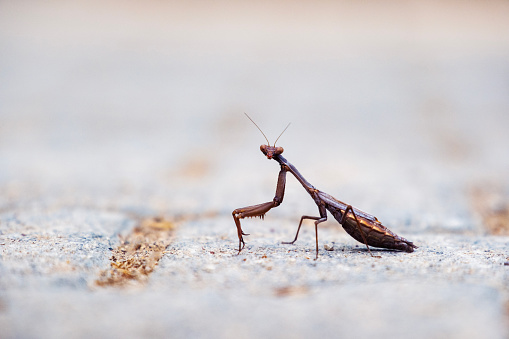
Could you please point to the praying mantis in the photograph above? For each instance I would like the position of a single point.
(362, 226)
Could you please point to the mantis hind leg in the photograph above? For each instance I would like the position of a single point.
(350, 208)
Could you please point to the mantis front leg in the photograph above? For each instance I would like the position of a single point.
(260, 209)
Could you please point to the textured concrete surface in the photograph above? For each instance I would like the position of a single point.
(112, 114)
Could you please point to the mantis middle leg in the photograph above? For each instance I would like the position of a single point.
(320, 219)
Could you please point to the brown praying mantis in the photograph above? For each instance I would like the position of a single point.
(362, 226)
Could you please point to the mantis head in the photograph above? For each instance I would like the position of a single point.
(271, 151)
(268, 150)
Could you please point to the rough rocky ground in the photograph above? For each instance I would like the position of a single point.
(123, 151)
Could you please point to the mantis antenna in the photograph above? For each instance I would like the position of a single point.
(268, 143)
(282, 133)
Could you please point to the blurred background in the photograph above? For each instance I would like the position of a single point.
(398, 107)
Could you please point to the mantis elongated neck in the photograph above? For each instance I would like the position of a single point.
(283, 162)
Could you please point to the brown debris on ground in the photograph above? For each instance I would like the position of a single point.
(286, 291)
(138, 254)
(493, 207)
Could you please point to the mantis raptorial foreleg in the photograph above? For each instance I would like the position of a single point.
(260, 209)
